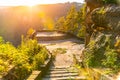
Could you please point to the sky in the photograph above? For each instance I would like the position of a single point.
(33, 2)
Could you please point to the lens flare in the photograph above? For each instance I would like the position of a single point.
(47, 21)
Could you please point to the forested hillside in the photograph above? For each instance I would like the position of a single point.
(15, 21)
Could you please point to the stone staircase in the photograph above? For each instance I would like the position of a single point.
(63, 73)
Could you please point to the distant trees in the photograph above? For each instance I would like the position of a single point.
(72, 22)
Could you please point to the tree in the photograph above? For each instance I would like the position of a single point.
(72, 22)
(60, 24)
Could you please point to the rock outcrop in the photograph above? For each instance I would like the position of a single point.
(89, 8)
(105, 36)
(106, 20)
(107, 17)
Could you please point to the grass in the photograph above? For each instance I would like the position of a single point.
(58, 51)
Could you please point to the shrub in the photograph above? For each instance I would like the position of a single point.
(101, 53)
(27, 57)
(40, 58)
(110, 58)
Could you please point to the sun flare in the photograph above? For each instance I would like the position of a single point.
(32, 2)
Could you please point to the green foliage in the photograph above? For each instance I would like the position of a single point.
(60, 24)
(110, 58)
(1, 40)
(40, 58)
(81, 32)
(30, 32)
(101, 11)
(100, 53)
(58, 51)
(27, 57)
(6, 56)
(93, 55)
(109, 1)
(72, 22)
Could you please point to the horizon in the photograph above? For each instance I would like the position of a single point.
(35, 2)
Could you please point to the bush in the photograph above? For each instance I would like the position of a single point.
(93, 55)
(40, 58)
(110, 59)
(27, 57)
(101, 53)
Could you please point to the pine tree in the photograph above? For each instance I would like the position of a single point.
(71, 20)
(60, 25)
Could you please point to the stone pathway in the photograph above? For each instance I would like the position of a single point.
(62, 67)
(72, 46)
(63, 73)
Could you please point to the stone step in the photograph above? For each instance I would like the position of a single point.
(69, 69)
(67, 78)
(61, 75)
(58, 69)
(61, 72)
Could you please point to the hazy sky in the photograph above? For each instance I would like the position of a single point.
(33, 2)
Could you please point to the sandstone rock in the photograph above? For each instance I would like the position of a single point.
(107, 17)
(104, 24)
